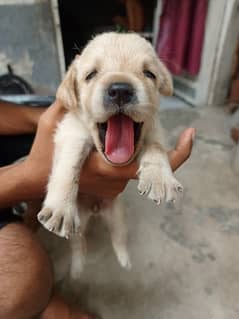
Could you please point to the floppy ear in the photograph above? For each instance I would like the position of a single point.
(165, 80)
(68, 91)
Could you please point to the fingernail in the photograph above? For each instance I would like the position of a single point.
(193, 134)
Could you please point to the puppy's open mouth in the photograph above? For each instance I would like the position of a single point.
(119, 137)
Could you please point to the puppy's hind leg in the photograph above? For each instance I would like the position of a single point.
(115, 221)
(78, 248)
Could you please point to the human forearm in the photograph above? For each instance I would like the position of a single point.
(27, 180)
(4, 169)
(15, 186)
(15, 119)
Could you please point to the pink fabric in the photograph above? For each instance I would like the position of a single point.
(181, 35)
(192, 64)
(166, 32)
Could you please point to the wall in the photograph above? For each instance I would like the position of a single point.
(29, 43)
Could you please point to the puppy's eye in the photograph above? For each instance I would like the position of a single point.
(149, 74)
(91, 75)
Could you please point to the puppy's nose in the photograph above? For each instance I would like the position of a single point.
(120, 93)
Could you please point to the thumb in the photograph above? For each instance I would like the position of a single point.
(183, 148)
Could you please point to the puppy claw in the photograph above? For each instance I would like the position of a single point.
(179, 188)
(63, 222)
(159, 185)
(44, 215)
(125, 262)
(157, 201)
(142, 193)
(123, 258)
(144, 188)
(77, 230)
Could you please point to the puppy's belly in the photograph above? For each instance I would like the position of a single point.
(93, 204)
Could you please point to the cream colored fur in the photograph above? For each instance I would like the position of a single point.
(117, 58)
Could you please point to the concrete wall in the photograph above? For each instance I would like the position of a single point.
(29, 43)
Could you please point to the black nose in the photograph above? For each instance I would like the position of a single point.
(120, 93)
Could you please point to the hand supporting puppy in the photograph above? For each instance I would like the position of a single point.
(28, 180)
(96, 175)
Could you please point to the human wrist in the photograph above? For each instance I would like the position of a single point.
(33, 181)
(13, 189)
(33, 115)
(24, 182)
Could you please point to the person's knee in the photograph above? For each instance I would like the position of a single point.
(25, 274)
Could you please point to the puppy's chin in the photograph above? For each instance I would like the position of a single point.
(118, 139)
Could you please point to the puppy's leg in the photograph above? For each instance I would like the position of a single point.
(115, 220)
(78, 248)
(60, 212)
(156, 178)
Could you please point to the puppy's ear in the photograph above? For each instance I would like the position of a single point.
(165, 80)
(68, 91)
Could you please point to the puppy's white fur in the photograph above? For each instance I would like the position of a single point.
(117, 58)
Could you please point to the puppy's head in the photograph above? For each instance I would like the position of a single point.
(115, 86)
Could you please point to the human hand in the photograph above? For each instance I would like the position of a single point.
(37, 165)
(15, 120)
(101, 179)
(97, 177)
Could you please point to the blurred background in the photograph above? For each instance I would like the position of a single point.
(197, 40)
(185, 258)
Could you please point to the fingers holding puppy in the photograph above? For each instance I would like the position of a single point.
(183, 148)
(110, 181)
(177, 157)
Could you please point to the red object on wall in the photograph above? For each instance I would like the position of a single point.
(195, 45)
(166, 32)
(181, 34)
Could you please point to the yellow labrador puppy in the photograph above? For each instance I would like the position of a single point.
(112, 94)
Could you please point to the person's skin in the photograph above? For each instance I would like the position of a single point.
(25, 272)
(28, 179)
(17, 119)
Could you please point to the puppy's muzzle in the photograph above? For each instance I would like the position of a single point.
(119, 134)
(119, 94)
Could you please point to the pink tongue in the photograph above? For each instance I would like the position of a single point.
(119, 139)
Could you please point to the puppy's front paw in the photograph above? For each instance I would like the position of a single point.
(63, 221)
(158, 184)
